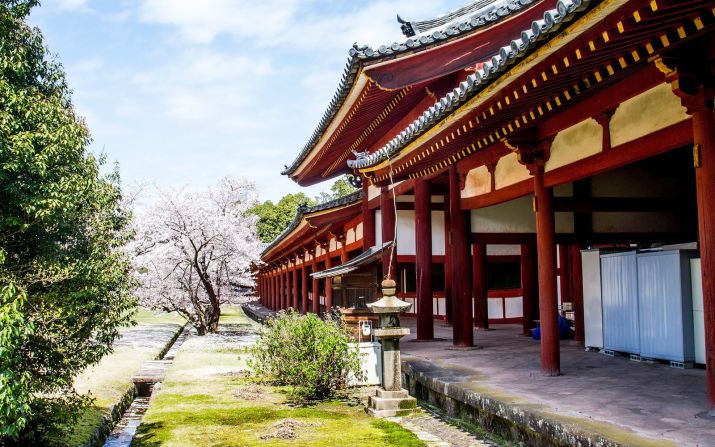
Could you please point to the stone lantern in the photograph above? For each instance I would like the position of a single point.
(390, 399)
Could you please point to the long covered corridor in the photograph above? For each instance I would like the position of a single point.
(635, 403)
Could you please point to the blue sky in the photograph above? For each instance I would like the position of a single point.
(181, 92)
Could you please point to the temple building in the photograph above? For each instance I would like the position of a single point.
(518, 160)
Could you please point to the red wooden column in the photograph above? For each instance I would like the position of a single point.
(279, 282)
(328, 281)
(529, 287)
(286, 287)
(546, 255)
(565, 273)
(577, 291)
(387, 211)
(423, 259)
(448, 311)
(296, 300)
(281, 290)
(316, 285)
(274, 293)
(368, 220)
(461, 266)
(701, 108)
(479, 275)
(304, 285)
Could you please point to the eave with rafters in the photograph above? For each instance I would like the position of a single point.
(381, 87)
(613, 41)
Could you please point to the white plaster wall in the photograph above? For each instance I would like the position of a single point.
(478, 181)
(509, 171)
(358, 232)
(503, 250)
(372, 192)
(405, 232)
(574, 143)
(350, 236)
(514, 216)
(645, 113)
(437, 233)
(406, 199)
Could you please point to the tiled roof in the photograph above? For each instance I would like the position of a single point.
(362, 259)
(563, 11)
(360, 54)
(302, 210)
(465, 13)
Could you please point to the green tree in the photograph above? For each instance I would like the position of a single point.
(275, 217)
(340, 188)
(65, 280)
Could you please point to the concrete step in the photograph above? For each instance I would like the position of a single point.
(402, 394)
(378, 403)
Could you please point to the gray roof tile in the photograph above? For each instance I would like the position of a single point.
(563, 11)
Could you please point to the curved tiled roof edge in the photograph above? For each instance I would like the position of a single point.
(412, 27)
(302, 210)
(564, 11)
(360, 54)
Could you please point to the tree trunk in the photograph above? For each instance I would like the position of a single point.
(213, 318)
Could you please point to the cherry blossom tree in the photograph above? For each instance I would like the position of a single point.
(194, 251)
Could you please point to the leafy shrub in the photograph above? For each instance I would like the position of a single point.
(308, 354)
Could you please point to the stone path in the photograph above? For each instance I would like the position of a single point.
(436, 432)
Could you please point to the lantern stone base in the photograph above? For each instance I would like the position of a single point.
(390, 404)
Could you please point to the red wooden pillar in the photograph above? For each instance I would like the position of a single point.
(328, 281)
(704, 155)
(479, 276)
(447, 265)
(461, 268)
(387, 211)
(577, 291)
(281, 289)
(274, 295)
(565, 274)
(368, 220)
(529, 287)
(316, 290)
(423, 259)
(295, 286)
(546, 254)
(304, 285)
(288, 287)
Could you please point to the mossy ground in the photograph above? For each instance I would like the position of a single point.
(110, 379)
(207, 400)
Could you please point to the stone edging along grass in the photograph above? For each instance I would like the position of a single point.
(102, 431)
(451, 394)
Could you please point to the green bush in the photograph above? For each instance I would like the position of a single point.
(308, 354)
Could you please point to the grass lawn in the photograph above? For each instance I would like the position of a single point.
(110, 379)
(206, 400)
